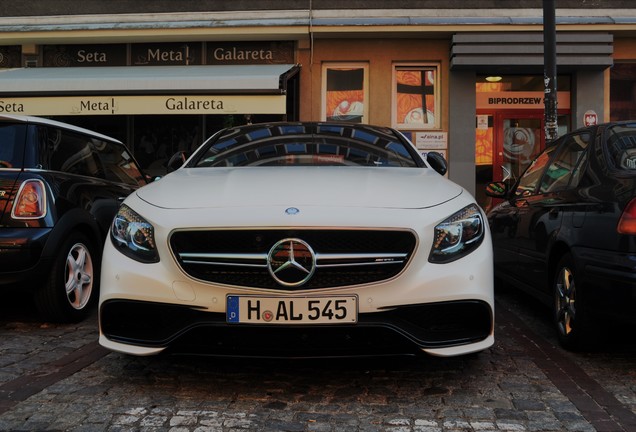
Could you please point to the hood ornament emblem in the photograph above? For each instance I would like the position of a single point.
(292, 211)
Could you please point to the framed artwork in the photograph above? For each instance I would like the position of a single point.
(416, 97)
(345, 92)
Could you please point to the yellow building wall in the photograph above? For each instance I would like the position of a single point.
(381, 55)
(625, 49)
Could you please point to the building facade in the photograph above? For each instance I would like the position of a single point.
(464, 80)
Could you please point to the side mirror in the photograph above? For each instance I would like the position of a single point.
(176, 161)
(437, 162)
(497, 189)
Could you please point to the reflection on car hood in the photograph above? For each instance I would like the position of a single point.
(296, 186)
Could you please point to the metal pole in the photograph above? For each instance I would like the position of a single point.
(550, 70)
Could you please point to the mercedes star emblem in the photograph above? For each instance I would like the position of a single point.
(291, 262)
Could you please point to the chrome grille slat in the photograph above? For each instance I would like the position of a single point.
(359, 259)
(237, 256)
(357, 264)
(224, 259)
(233, 264)
(237, 259)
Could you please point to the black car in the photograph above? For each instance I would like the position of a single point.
(60, 187)
(566, 230)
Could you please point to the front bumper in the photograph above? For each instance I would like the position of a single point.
(190, 330)
(441, 309)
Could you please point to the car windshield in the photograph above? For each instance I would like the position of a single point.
(12, 138)
(307, 144)
(621, 144)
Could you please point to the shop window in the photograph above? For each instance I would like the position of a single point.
(519, 83)
(484, 140)
(119, 165)
(157, 138)
(623, 91)
(416, 97)
(345, 92)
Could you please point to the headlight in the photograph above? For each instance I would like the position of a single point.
(133, 236)
(458, 235)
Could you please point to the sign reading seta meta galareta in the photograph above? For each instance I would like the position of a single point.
(78, 98)
(144, 104)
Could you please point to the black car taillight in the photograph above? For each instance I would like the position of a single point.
(30, 201)
(627, 222)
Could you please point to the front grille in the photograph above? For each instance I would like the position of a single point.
(342, 257)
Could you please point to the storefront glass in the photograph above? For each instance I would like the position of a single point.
(510, 126)
(155, 138)
(345, 92)
(415, 97)
(623, 92)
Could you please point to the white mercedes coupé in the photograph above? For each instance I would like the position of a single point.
(300, 240)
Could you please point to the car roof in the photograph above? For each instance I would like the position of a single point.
(54, 123)
(314, 125)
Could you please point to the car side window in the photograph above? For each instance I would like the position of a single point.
(72, 153)
(565, 169)
(119, 166)
(11, 145)
(530, 178)
(621, 144)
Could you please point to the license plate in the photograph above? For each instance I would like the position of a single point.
(292, 310)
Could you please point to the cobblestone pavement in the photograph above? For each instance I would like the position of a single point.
(56, 378)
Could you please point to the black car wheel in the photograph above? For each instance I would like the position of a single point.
(72, 285)
(570, 313)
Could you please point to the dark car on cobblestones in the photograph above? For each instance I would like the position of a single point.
(566, 230)
(60, 187)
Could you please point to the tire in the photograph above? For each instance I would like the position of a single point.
(571, 313)
(71, 289)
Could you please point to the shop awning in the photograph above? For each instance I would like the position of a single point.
(243, 79)
(522, 52)
(243, 89)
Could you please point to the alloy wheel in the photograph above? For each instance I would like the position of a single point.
(565, 301)
(79, 276)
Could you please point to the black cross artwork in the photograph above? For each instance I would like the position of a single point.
(423, 89)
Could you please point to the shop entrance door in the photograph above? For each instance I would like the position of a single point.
(507, 141)
(519, 137)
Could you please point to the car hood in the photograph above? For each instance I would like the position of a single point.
(300, 186)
